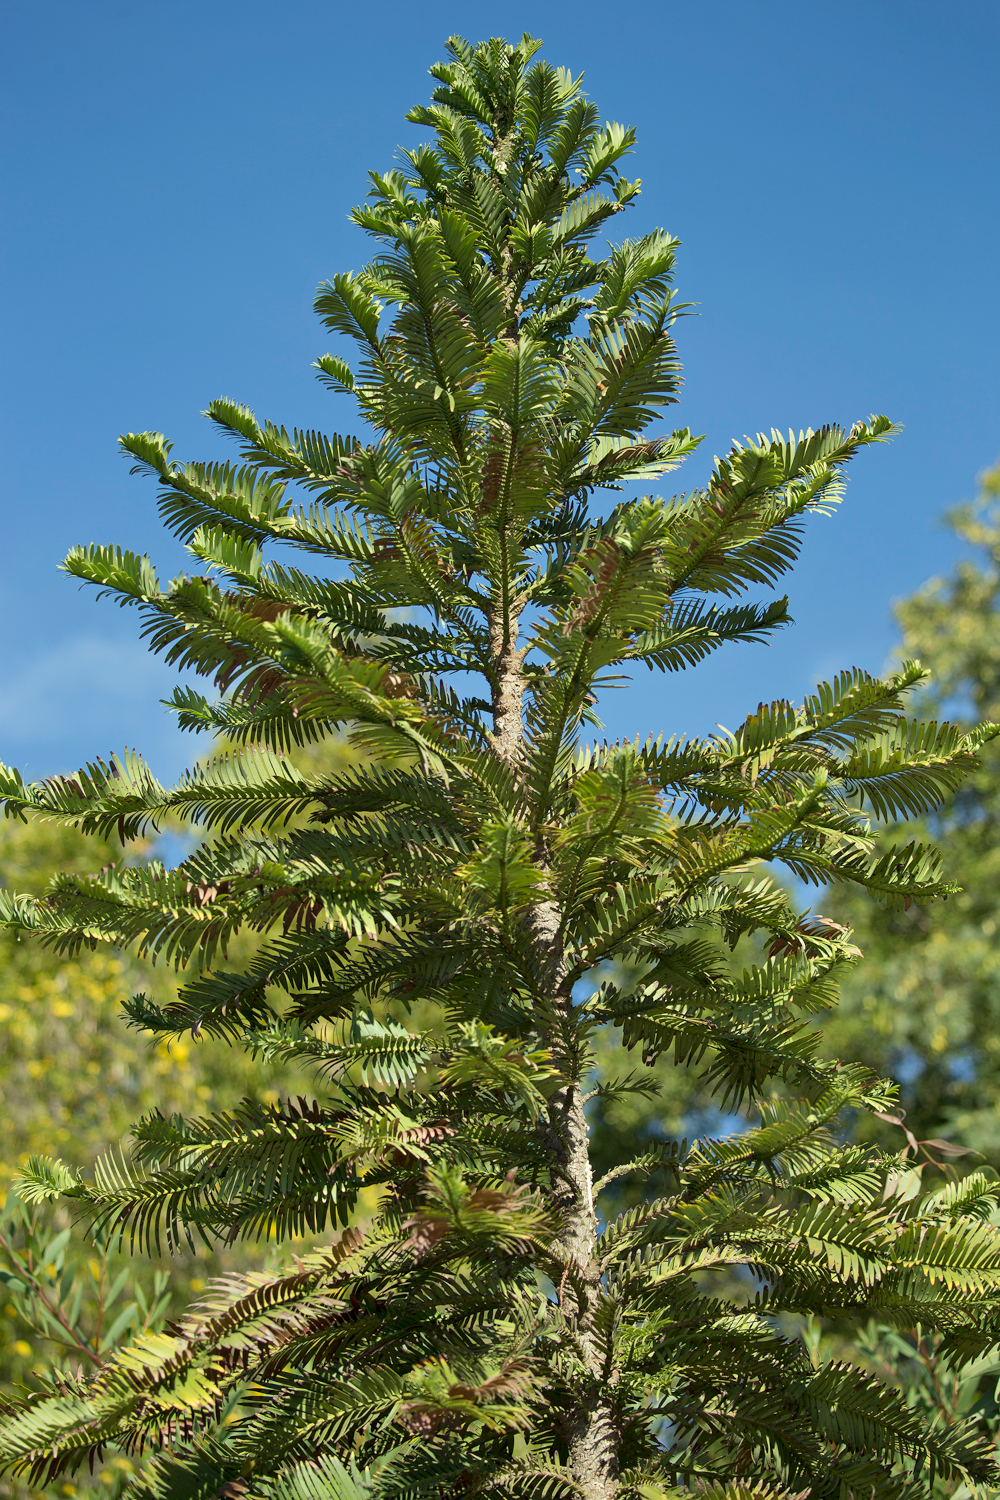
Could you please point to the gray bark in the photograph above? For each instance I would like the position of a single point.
(508, 690)
(590, 1429)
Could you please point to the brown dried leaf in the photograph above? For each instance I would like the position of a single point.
(797, 940)
(602, 561)
(424, 1234)
(514, 1379)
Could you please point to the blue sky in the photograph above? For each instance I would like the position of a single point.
(177, 177)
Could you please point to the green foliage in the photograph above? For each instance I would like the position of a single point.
(73, 1296)
(924, 1006)
(443, 931)
(940, 1391)
(73, 1080)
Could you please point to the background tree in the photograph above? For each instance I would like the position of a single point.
(483, 1329)
(922, 1007)
(925, 1006)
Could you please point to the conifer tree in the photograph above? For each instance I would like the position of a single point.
(438, 924)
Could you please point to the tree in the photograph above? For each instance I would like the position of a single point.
(924, 1006)
(72, 1079)
(439, 930)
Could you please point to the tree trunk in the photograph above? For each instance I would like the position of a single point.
(508, 691)
(590, 1427)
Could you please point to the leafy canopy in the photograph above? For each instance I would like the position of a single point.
(436, 926)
